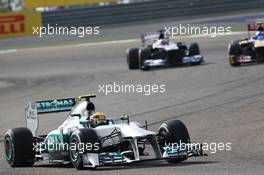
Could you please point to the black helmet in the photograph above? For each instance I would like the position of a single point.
(260, 29)
(162, 34)
(90, 107)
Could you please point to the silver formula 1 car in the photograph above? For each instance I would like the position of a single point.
(89, 139)
(162, 53)
(248, 50)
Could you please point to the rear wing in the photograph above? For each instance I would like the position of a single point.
(36, 108)
(53, 106)
(153, 36)
(255, 26)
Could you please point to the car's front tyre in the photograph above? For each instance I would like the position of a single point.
(194, 49)
(144, 54)
(132, 58)
(80, 139)
(234, 52)
(171, 133)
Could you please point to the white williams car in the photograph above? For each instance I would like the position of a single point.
(162, 53)
(88, 139)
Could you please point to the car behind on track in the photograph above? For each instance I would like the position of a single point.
(162, 53)
(248, 50)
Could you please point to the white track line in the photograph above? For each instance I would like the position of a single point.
(108, 42)
(8, 51)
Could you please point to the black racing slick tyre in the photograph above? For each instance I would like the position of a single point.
(194, 49)
(259, 54)
(234, 52)
(173, 132)
(144, 54)
(78, 145)
(132, 58)
(19, 147)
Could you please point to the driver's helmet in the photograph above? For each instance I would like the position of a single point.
(260, 32)
(97, 119)
(162, 34)
(261, 29)
(90, 108)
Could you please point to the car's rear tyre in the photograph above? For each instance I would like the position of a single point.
(132, 58)
(173, 132)
(83, 137)
(144, 54)
(19, 148)
(234, 52)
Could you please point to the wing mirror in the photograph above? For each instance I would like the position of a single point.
(124, 119)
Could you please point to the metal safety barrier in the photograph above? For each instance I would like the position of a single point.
(144, 11)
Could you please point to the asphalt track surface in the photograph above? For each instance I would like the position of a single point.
(218, 103)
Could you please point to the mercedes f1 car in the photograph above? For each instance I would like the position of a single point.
(89, 139)
(248, 50)
(162, 53)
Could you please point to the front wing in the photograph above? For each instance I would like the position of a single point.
(93, 160)
(163, 62)
(245, 59)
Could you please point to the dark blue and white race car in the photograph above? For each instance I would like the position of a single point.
(162, 52)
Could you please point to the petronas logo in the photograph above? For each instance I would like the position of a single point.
(55, 104)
